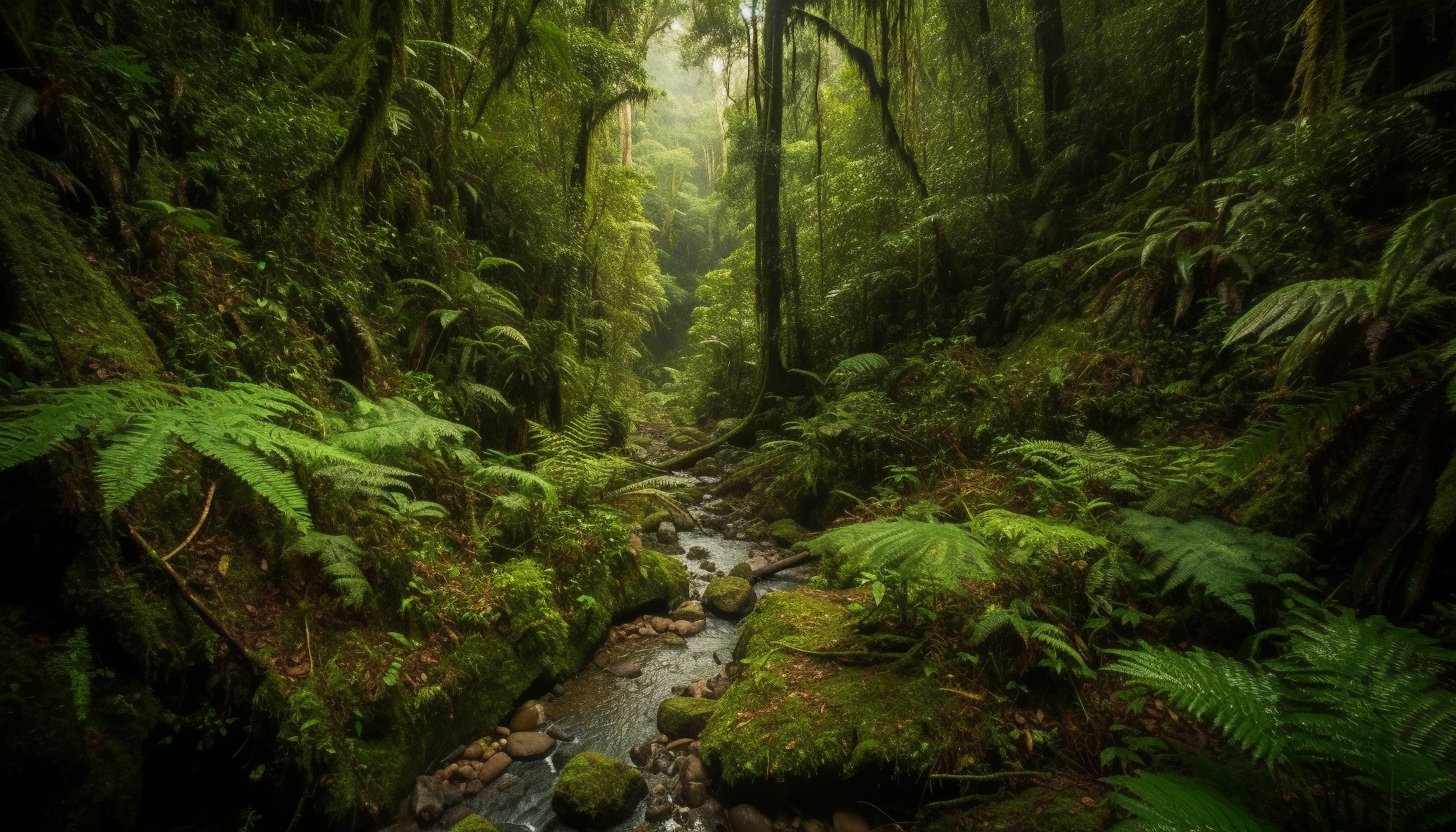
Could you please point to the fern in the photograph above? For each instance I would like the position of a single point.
(1030, 538)
(938, 556)
(18, 105)
(1057, 651)
(1222, 560)
(1324, 306)
(139, 425)
(1351, 703)
(339, 557)
(393, 428)
(1423, 245)
(1081, 474)
(71, 662)
(1174, 803)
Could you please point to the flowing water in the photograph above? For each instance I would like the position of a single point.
(610, 715)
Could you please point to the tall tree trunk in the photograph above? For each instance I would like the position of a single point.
(998, 99)
(624, 132)
(1056, 87)
(1215, 23)
(356, 157)
(769, 263)
(1319, 78)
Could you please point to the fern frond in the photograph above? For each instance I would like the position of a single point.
(938, 555)
(1174, 803)
(1223, 560)
(134, 459)
(339, 557)
(1031, 537)
(1240, 703)
(858, 365)
(1421, 246)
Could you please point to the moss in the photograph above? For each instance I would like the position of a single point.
(595, 791)
(474, 823)
(793, 720)
(684, 716)
(1069, 809)
(71, 299)
(649, 524)
(729, 596)
(785, 532)
(741, 570)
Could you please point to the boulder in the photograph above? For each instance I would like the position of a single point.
(684, 716)
(661, 623)
(474, 751)
(473, 823)
(741, 570)
(708, 566)
(688, 611)
(595, 791)
(666, 532)
(528, 717)
(454, 816)
(730, 597)
(427, 802)
(660, 809)
(785, 532)
(697, 553)
(689, 628)
(559, 734)
(745, 818)
(845, 820)
(693, 794)
(675, 640)
(529, 745)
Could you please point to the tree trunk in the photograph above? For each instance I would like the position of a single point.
(1056, 87)
(624, 132)
(1215, 22)
(998, 99)
(769, 255)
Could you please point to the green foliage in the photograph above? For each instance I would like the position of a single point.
(138, 426)
(1224, 561)
(1029, 538)
(938, 556)
(1351, 703)
(1051, 643)
(339, 557)
(71, 662)
(1174, 803)
(1087, 477)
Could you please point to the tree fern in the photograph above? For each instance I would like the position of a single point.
(1423, 245)
(939, 556)
(1223, 560)
(1323, 306)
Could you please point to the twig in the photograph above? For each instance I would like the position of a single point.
(193, 601)
(841, 654)
(206, 507)
(995, 775)
(960, 801)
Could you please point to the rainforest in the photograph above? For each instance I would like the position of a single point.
(727, 415)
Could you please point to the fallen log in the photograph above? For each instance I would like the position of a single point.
(780, 565)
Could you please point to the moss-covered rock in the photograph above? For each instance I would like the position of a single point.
(649, 524)
(729, 596)
(794, 719)
(684, 716)
(741, 570)
(473, 823)
(785, 532)
(595, 791)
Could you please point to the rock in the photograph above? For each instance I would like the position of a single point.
(659, 809)
(684, 716)
(453, 794)
(641, 754)
(708, 566)
(473, 788)
(626, 670)
(454, 816)
(529, 745)
(730, 597)
(462, 774)
(661, 623)
(693, 794)
(501, 732)
(666, 532)
(558, 689)
(741, 570)
(689, 611)
(559, 734)
(472, 823)
(689, 628)
(785, 532)
(814, 825)
(679, 746)
(693, 770)
(528, 717)
(427, 802)
(697, 689)
(594, 791)
(474, 751)
(745, 818)
(756, 563)
(675, 640)
(845, 820)
(506, 783)
(697, 553)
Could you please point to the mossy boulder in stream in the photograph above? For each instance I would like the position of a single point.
(595, 791)
(684, 716)
(473, 823)
(818, 706)
(730, 597)
(785, 532)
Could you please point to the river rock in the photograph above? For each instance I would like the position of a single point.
(684, 716)
(595, 791)
(661, 623)
(528, 717)
(472, 822)
(427, 802)
(559, 734)
(697, 553)
(666, 532)
(626, 670)
(493, 766)
(641, 754)
(688, 628)
(746, 818)
(730, 597)
(708, 566)
(675, 640)
(741, 570)
(845, 820)
(814, 825)
(474, 751)
(688, 611)
(659, 809)
(529, 745)
(693, 794)
(693, 770)
(473, 788)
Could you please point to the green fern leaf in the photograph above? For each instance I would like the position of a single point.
(1174, 803)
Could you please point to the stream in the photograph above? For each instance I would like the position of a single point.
(610, 715)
